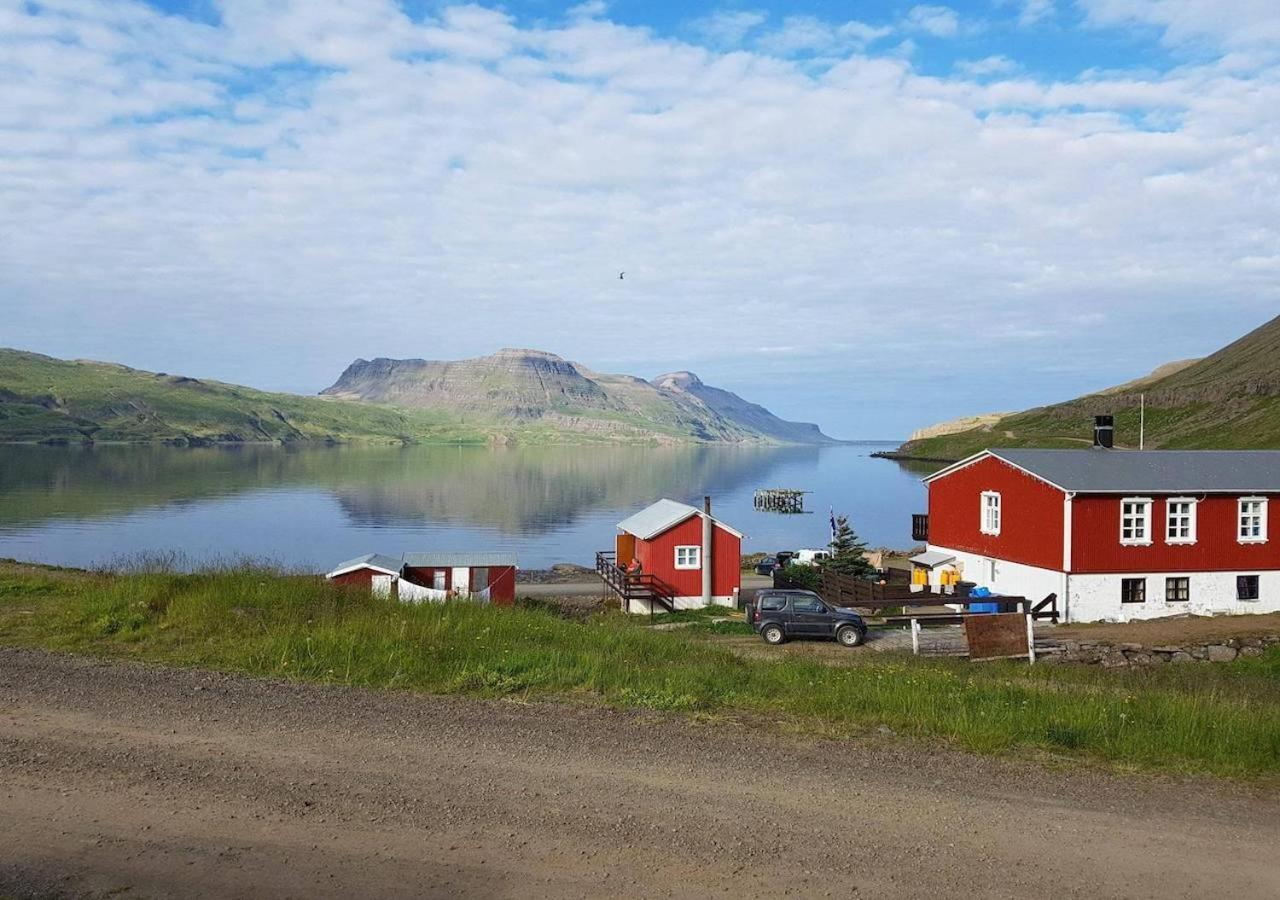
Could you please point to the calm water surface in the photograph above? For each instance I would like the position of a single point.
(312, 507)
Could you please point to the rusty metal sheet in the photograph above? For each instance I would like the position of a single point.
(997, 636)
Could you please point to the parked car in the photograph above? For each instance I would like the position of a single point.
(810, 557)
(783, 557)
(779, 615)
(767, 565)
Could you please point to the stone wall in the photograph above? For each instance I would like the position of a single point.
(1115, 656)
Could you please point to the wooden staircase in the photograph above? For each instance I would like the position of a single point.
(628, 588)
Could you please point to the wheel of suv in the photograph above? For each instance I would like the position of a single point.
(772, 634)
(850, 636)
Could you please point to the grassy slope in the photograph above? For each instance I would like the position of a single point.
(47, 399)
(1230, 400)
(1213, 719)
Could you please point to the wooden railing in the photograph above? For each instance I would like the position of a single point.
(628, 587)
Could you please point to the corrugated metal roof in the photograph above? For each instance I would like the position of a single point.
(370, 560)
(662, 516)
(445, 559)
(1152, 471)
(931, 558)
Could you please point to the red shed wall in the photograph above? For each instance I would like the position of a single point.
(1030, 514)
(1096, 547)
(658, 557)
(425, 576)
(502, 585)
(362, 578)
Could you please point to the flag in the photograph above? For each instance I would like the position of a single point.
(833, 524)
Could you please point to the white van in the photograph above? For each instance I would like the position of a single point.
(809, 557)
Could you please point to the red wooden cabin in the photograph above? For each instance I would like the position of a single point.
(1115, 534)
(694, 558)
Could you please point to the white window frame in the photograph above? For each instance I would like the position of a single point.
(985, 525)
(1261, 536)
(1145, 518)
(692, 554)
(1190, 537)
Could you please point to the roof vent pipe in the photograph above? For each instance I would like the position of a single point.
(1104, 432)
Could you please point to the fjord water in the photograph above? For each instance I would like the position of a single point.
(310, 507)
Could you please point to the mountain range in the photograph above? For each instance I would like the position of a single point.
(536, 387)
(522, 396)
(1229, 400)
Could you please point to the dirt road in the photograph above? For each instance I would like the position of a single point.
(154, 782)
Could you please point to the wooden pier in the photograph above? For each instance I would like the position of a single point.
(780, 500)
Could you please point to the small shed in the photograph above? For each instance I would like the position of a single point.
(373, 572)
(481, 574)
(694, 556)
(415, 577)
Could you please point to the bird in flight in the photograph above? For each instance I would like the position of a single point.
(620, 274)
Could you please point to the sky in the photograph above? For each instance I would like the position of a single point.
(873, 215)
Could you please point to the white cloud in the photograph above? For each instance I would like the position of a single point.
(1033, 12)
(939, 21)
(1235, 23)
(807, 34)
(727, 28)
(990, 65)
(266, 198)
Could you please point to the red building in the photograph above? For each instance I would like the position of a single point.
(416, 577)
(693, 558)
(1115, 534)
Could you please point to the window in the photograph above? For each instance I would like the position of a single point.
(773, 602)
(1135, 520)
(807, 605)
(990, 513)
(1177, 590)
(1133, 590)
(689, 557)
(1180, 521)
(437, 579)
(1253, 520)
(1246, 587)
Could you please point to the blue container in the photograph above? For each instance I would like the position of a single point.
(984, 607)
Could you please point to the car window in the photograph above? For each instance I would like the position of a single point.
(808, 605)
(772, 602)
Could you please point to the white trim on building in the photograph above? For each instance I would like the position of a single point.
(1251, 520)
(1180, 520)
(688, 557)
(989, 512)
(1135, 521)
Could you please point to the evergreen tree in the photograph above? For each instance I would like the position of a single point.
(847, 551)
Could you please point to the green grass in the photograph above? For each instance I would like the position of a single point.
(1222, 720)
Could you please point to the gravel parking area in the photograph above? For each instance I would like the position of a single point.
(147, 781)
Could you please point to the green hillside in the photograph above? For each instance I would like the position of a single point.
(49, 400)
(1230, 400)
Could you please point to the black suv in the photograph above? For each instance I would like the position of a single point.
(778, 615)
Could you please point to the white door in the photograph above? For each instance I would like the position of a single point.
(461, 580)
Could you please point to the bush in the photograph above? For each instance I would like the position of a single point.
(807, 578)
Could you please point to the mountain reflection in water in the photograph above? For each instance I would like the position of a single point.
(309, 506)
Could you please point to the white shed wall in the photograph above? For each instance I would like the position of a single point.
(1096, 598)
(1012, 579)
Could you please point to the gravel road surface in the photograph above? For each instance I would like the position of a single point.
(135, 780)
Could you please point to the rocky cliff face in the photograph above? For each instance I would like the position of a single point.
(733, 407)
(531, 386)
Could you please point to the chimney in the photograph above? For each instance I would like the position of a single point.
(1103, 432)
(707, 531)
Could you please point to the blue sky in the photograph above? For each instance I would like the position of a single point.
(872, 215)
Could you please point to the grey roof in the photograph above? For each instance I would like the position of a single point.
(932, 558)
(445, 559)
(660, 516)
(1152, 471)
(374, 560)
